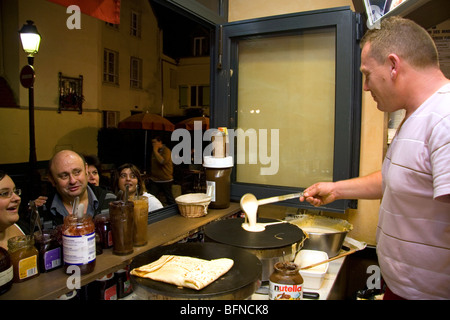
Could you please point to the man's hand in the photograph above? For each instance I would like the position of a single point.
(320, 194)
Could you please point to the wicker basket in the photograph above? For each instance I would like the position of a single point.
(193, 205)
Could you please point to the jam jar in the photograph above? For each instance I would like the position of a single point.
(104, 288)
(103, 229)
(124, 287)
(6, 271)
(24, 257)
(285, 283)
(50, 253)
(78, 235)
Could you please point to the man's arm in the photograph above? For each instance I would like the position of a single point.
(322, 193)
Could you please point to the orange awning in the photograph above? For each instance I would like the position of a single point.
(146, 121)
(189, 123)
(106, 10)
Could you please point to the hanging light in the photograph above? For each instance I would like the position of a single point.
(30, 38)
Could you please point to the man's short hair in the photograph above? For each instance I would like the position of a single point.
(405, 38)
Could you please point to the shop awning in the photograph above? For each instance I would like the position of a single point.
(106, 10)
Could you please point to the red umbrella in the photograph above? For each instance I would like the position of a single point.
(189, 123)
(146, 121)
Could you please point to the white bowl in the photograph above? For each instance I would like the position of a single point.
(313, 277)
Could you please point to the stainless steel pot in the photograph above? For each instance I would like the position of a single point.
(331, 243)
(324, 233)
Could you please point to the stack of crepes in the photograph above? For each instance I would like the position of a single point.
(184, 271)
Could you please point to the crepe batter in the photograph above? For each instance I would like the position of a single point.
(252, 226)
(249, 205)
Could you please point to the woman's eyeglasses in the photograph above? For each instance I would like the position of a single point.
(9, 193)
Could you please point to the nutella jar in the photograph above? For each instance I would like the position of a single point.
(285, 283)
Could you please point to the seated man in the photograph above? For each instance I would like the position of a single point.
(68, 174)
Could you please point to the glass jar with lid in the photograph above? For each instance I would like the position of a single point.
(24, 257)
(50, 255)
(285, 283)
(79, 249)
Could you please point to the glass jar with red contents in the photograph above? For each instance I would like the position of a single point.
(103, 229)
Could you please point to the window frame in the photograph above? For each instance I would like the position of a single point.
(138, 81)
(106, 70)
(199, 46)
(348, 90)
(135, 24)
(195, 96)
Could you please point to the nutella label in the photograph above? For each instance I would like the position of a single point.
(278, 291)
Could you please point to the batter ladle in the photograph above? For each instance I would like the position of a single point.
(249, 204)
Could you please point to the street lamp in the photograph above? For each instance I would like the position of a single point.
(30, 39)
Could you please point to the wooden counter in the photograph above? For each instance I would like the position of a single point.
(53, 284)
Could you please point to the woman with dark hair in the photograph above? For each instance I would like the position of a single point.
(9, 209)
(94, 172)
(129, 175)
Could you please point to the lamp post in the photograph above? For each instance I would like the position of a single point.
(30, 39)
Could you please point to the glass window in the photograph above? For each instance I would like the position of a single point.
(204, 96)
(135, 25)
(198, 96)
(183, 96)
(110, 66)
(193, 96)
(288, 88)
(135, 73)
(200, 47)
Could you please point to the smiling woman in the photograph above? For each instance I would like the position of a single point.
(128, 175)
(9, 209)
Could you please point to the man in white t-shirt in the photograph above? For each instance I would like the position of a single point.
(401, 68)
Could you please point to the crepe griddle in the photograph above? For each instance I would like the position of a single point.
(239, 282)
(230, 231)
